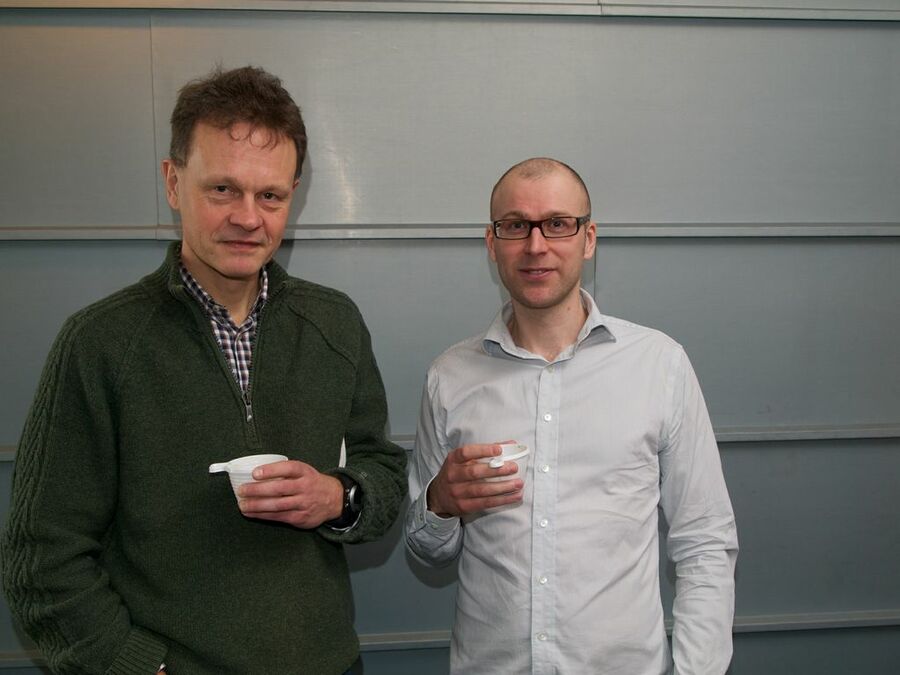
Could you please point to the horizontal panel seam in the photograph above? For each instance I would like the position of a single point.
(306, 231)
(586, 8)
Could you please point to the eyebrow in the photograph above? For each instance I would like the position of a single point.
(521, 216)
(230, 180)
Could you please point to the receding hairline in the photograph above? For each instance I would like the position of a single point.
(272, 136)
(537, 168)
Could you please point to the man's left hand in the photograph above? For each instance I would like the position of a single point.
(302, 497)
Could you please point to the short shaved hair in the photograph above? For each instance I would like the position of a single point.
(537, 168)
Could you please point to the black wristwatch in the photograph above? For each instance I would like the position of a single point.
(352, 503)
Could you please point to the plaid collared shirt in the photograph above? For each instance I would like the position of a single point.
(236, 342)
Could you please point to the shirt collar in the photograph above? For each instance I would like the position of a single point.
(213, 309)
(498, 337)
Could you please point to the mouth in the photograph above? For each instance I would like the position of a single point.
(535, 272)
(242, 245)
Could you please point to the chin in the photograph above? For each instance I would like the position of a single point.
(538, 303)
(245, 263)
(237, 272)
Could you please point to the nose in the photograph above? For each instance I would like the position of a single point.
(246, 214)
(536, 242)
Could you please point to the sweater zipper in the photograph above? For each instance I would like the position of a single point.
(245, 395)
(247, 406)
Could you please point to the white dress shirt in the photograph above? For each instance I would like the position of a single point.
(568, 581)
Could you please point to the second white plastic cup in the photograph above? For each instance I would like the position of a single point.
(511, 452)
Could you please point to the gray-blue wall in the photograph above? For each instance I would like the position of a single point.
(745, 175)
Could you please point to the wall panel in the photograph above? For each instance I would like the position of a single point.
(665, 117)
(782, 332)
(77, 116)
(771, 129)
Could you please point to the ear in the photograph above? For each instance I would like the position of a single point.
(170, 178)
(489, 240)
(590, 241)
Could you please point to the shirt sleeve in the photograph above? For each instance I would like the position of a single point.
(433, 540)
(702, 539)
(63, 501)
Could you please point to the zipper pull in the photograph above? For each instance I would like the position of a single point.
(248, 407)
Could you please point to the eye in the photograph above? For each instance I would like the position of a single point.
(221, 192)
(516, 225)
(556, 223)
(270, 196)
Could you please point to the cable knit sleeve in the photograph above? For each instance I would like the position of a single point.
(63, 501)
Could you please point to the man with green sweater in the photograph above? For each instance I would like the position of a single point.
(122, 554)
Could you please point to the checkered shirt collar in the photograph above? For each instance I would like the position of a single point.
(213, 309)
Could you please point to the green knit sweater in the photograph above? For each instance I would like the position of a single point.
(121, 551)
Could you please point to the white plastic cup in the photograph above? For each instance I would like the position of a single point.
(240, 470)
(510, 452)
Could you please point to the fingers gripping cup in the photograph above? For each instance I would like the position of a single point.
(240, 470)
(510, 452)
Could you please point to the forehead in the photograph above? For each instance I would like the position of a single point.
(241, 148)
(538, 196)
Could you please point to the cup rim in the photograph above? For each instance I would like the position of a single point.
(247, 463)
(507, 458)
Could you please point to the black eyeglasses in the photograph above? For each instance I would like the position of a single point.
(557, 227)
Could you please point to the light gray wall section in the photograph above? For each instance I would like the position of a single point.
(782, 332)
(665, 118)
(77, 119)
(668, 117)
(412, 117)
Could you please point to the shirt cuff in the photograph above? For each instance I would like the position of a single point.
(441, 525)
(430, 520)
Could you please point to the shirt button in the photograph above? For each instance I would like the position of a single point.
(542, 581)
(542, 636)
(544, 522)
(549, 369)
(545, 468)
(547, 417)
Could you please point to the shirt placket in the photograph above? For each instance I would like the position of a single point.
(242, 353)
(544, 644)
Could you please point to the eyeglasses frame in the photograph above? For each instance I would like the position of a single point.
(539, 224)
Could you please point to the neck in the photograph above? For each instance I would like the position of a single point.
(240, 303)
(547, 331)
(235, 295)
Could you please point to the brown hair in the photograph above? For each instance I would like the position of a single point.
(225, 98)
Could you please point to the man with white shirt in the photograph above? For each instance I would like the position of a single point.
(563, 577)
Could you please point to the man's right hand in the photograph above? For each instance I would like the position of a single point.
(460, 489)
